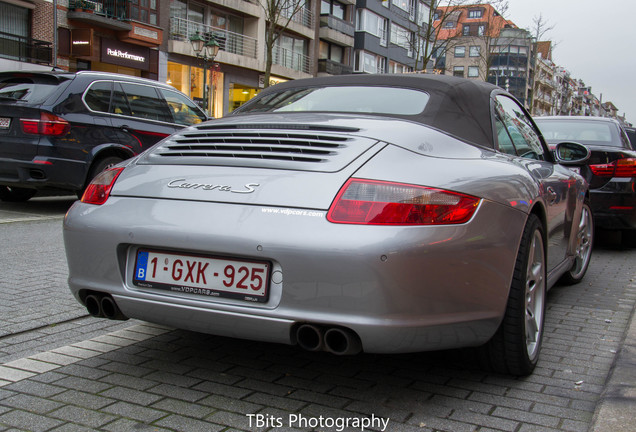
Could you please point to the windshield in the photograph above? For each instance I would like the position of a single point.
(584, 132)
(349, 99)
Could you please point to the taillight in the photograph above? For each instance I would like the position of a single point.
(99, 189)
(48, 124)
(373, 202)
(625, 167)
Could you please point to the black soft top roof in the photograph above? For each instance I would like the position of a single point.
(457, 106)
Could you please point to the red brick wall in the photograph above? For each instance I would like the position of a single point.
(42, 22)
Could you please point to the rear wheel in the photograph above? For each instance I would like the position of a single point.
(16, 194)
(584, 240)
(515, 347)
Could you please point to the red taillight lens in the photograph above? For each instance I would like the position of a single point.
(48, 124)
(99, 189)
(619, 168)
(374, 202)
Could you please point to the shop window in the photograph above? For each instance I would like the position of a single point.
(240, 94)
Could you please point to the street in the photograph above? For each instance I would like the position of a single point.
(62, 370)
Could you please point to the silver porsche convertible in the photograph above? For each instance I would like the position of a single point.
(375, 213)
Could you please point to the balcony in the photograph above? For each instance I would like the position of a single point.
(230, 42)
(25, 49)
(291, 60)
(111, 14)
(334, 23)
(333, 67)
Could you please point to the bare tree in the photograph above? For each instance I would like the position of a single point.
(482, 34)
(427, 42)
(279, 14)
(540, 29)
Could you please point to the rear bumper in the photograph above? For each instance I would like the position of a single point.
(43, 173)
(614, 206)
(399, 289)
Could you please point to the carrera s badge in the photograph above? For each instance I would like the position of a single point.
(183, 184)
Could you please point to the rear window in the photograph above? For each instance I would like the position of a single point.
(584, 132)
(348, 99)
(26, 90)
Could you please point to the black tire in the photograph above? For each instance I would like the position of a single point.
(515, 347)
(584, 241)
(16, 194)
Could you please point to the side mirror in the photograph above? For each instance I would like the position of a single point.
(571, 153)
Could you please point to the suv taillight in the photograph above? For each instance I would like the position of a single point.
(625, 167)
(372, 202)
(48, 124)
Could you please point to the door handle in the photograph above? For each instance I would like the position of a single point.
(552, 195)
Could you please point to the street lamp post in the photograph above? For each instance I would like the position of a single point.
(207, 51)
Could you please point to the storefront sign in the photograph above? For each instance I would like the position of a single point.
(272, 80)
(82, 42)
(123, 54)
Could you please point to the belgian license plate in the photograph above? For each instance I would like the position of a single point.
(202, 275)
(5, 122)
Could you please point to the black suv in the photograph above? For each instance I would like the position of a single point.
(59, 129)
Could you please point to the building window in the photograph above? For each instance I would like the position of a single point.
(401, 37)
(475, 13)
(474, 51)
(144, 11)
(450, 24)
(473, 71)
(423, 13)
(458, 71)
(331, 52)
(460, 51)
(481, 30)
(402, 4)
(332, 7)
(369, 62)
(395, 67)
(371, 23)
(466, 30)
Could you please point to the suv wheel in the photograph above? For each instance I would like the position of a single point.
(16, 194)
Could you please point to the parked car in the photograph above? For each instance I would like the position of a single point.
(383, 214)
(59, 129)
(610, 171)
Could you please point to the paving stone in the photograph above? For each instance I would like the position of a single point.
(180, 423)
(83, 416)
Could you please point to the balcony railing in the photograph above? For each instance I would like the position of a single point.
(333, 67)
(291, 60)
(116, 9)
(235, 43)
(304, 17)
(25, 49)
(334, 23)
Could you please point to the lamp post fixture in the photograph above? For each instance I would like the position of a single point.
(207, 51)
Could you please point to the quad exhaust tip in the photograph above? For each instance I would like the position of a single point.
(103, 306)
(336, 340)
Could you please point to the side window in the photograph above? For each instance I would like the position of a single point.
(519, 129)
(144, 102)
(97, 97)
(119, 104)
(184, 111)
